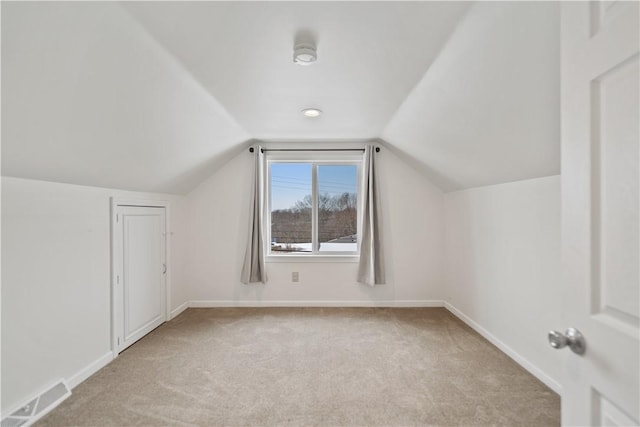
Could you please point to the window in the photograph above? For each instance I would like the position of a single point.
(313, 205)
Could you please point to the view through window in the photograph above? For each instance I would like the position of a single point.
(314, 207)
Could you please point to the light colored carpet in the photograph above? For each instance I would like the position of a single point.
(311, 366)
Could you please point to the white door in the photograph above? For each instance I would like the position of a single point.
(140, 266)
(600, 204)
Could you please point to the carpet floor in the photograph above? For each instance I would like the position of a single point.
(310, 366)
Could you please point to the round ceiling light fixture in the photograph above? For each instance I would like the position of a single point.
(311, 112)
(304, 54)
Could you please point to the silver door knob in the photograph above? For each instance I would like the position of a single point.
(571, 337)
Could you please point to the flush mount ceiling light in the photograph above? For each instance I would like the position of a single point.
(311, 112)
(304, 54)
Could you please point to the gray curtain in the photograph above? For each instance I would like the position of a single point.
(371, 266)
(253, 269)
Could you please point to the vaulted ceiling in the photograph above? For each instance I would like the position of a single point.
(154, 96)
(370, 57)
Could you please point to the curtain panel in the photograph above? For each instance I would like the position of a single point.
(371, 265)
(253, 269)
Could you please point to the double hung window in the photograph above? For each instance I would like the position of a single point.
(313, 203)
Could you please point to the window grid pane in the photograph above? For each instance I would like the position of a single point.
(337, 208)
(291, 207)
(313, 208)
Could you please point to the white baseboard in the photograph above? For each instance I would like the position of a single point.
(327, 303)
(89, 370)
(416, 303)
(533, 370)
(176, 311)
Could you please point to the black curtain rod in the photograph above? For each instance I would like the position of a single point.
(312, 149)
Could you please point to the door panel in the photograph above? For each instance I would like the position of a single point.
(142, 272)
(608, 414)
(615, 193)
(600, 186)
(603, 13)
(141, 299)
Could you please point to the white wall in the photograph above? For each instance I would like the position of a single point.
(413, 233)
(503, 267)
(56, 281)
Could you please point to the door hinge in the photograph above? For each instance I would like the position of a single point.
(117, 279)
(117, 217)
(118, 340)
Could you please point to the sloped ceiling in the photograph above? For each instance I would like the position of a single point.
(88, 97)
(153, 96)
(487, 111)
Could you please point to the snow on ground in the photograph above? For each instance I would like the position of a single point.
(324, 247)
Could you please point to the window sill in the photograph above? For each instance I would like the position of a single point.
(312, 258)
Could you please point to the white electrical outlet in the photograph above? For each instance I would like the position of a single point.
(295, 276)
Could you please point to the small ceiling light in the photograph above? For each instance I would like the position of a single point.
(311, 112)
(304, 54)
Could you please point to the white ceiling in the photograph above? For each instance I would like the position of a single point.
(370, 56)
(154, 96)
(89, 98)
(488, 109)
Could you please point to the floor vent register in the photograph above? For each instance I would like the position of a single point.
(37, 407)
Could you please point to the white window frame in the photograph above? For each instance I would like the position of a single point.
(315, 159)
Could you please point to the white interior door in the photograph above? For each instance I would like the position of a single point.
(140, 263)
(600, 156)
